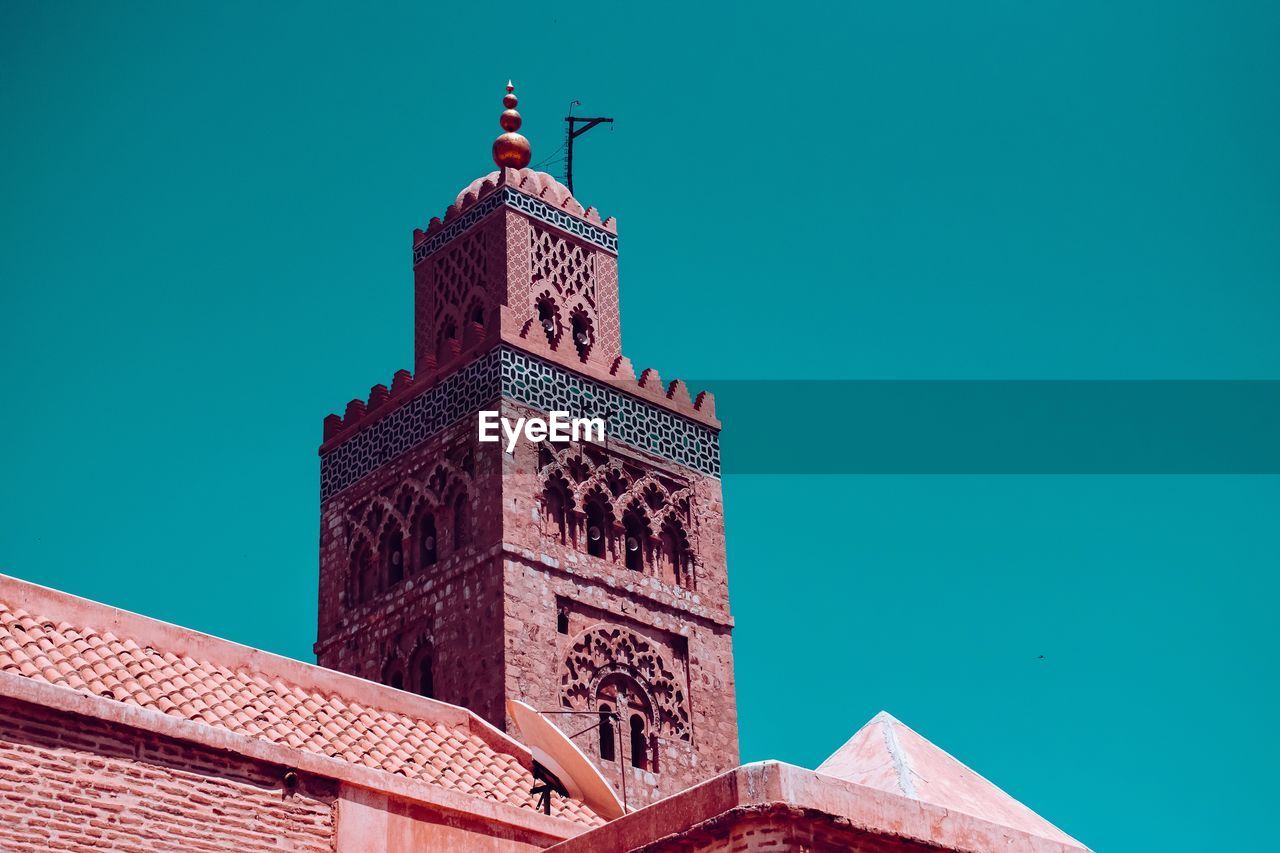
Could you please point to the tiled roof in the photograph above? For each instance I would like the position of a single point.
(436, 746)
(890, 756)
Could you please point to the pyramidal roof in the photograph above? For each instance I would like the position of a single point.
(889, 756)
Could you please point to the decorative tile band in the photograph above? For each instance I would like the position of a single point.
(471, 388)
(540, 210)
(522, 378)
(529, 205)
(434, 243)
(547, 387)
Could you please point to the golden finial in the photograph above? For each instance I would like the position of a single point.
(511, 149)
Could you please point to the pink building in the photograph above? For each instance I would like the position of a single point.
(585, 578)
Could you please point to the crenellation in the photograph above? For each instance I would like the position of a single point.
(381, 402)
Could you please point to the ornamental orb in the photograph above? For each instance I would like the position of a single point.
(510, 120)
(511, 151)
(509, 101)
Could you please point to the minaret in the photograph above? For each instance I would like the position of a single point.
(576, 576)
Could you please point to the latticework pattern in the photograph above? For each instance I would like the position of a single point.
(564, 265)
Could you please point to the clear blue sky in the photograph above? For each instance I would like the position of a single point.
(205, 222)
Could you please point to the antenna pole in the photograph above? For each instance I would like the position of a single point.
(577, 127)
(617, 723)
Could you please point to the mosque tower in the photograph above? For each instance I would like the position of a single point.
(584, 577)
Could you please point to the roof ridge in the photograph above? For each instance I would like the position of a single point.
(887, 754)
(900, 763)
(964, 765)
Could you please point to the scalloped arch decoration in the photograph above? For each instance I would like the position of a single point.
(605, 650)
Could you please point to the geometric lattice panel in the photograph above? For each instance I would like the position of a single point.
(637, 422)
(563, 264)
(472, 388)
(539, 209)
(533, 207)
(518, 376)
(437, 240)
(460, 272)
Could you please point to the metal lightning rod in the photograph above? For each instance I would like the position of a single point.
(577, 127)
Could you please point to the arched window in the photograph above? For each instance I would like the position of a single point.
(674, 557)
(623, 698)
(639, 755)
(447, 343)
(427, 540)
(460, 526)
(426, 681)
(394, 555)
(580, 327)
(596, 529)
(557, 501)
(365, 574)
(547, 320)
(606, 733)
(393, 674)
(474, 329)
(635, 532)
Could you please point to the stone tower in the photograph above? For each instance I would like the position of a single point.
(576, 576)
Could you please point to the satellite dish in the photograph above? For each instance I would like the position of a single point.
(553, 750)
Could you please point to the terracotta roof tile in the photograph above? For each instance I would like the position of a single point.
(302, 716)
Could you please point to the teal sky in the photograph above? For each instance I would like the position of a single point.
(205, 220)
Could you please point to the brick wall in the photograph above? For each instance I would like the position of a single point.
(490, 610)
(454, 605)
(690, 627)
(73, 783)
